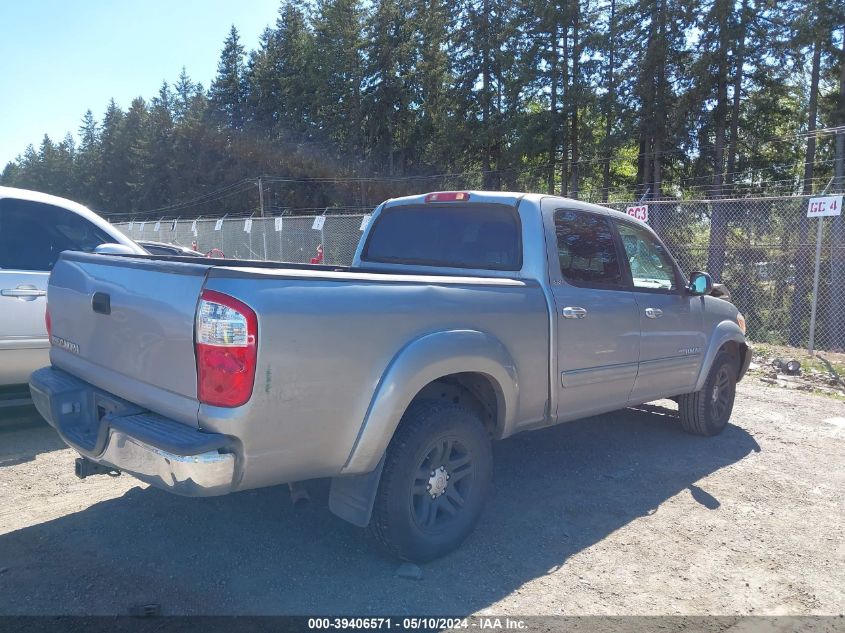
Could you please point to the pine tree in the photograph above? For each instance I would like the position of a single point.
(228, 90)
(88, 161)
(111, 181)
(387, 95)
(338, 61)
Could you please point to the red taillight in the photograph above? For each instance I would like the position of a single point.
(226, 343)
(48, 322)
(447, 196)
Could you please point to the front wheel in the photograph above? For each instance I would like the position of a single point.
(706, 412)
(435, 479)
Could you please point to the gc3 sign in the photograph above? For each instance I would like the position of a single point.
(824, 206)
(640, 212)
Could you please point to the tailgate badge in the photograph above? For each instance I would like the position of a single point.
(64, 344)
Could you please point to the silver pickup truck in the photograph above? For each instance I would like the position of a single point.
(465, 317)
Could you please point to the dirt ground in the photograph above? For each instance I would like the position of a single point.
(617, 514)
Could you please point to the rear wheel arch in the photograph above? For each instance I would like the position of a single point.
(469, 366)
(474, 365)
(477, 391)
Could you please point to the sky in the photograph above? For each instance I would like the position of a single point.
(59, 58)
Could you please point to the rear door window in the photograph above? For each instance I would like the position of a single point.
(484, 236)
(33, 234)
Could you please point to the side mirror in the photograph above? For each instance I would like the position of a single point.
(700, 283)
(115, 249)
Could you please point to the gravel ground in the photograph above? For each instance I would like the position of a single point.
(617, 514)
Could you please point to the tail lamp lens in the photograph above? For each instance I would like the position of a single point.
(48, 322)
(226, 346)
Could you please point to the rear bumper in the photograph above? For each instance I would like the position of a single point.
(116, 433)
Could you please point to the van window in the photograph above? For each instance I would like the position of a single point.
(33, 234)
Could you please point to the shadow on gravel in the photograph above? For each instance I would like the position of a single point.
(24, 434)
(19, 417)
(556, 492)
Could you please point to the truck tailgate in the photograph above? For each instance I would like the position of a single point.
(126, 325)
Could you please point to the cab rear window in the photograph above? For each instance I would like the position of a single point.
(482, 236)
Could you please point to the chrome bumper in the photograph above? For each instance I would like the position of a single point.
(113, 432)
(204, 475)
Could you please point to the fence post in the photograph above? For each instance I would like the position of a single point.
(264, 235)
(815, 303)
(837, 254)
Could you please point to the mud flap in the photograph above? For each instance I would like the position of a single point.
(352, 497)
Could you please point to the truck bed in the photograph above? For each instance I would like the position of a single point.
(326, 337)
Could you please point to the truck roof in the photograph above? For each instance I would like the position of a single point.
(510, 198)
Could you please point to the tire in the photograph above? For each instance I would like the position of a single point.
(440, 445)
(706, 412)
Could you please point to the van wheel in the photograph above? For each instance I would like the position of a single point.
(435, 479)
(706, 412)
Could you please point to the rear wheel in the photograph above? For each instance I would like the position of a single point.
(706, 412)
(434, 483)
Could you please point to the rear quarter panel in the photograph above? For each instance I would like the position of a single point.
(325, 344)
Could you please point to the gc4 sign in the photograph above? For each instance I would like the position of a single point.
(824, 206)
(640, 212)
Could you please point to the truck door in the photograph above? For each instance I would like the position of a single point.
(597, 320)
(673, 339)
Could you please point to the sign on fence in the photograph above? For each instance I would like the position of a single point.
(365, 221)
(640, 212)
(194, 228)
(319, 221)
(218, 225)
(248, 225)
(278, 224)
(824, 206)
(157, 227)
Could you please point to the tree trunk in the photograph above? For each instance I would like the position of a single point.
(647, 94)
(719, 220)
(737, 95)
(837, 249)
(553, 109)
(485, 95)
(660, 107)
(608, 109)
(576, 99)
(810, 159)
(804, 252)
(565, 95)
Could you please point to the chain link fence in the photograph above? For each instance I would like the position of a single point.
(285, 239)
(762, 249)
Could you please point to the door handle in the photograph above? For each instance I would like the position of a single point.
(23, 291)
(653, 313)
(573, 313)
